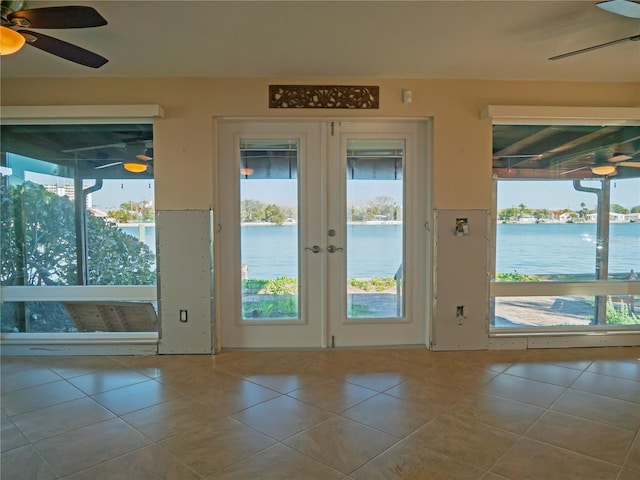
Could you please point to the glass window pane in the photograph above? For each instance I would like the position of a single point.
(562, 216)
(38, 223)
(122, 223)
(561, 244)
(77, 209)
(72, 317)
(563, 311)
(269, 229)
(375, 193)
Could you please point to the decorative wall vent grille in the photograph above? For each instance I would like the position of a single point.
(324, 96)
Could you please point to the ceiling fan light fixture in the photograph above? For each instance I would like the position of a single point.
(10, 41)
(134, 167)
(626, 8)
(603, 169)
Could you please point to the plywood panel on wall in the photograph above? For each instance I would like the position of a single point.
(185, 276)
(460, 280)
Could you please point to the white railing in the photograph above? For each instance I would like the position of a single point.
(554, 289)
(79, 293)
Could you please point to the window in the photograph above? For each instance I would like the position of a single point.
(567, 251)
(77, 211)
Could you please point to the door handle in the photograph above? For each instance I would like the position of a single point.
(314, 249)
(333, 249)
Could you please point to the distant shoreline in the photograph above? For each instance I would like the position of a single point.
(366, 222)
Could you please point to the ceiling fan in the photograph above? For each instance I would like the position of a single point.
(626, 8)
(135, 157)
(139, 158)
(17, 24)
(607, 162)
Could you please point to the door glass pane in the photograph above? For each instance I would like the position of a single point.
(375, 228)
(268, 232)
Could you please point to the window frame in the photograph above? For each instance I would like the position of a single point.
(543, 115)
(111, 342)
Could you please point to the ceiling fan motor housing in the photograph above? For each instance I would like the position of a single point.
(8, 6)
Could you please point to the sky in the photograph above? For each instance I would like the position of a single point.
(116, 192)
(557, 195)
(283, 192)
(551, 195)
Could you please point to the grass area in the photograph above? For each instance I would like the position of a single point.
(359, 311)
(273, 307)
(289, 286)
(277, 298)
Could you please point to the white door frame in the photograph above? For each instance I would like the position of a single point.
(315, 313)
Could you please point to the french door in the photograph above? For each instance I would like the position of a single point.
(322, 233)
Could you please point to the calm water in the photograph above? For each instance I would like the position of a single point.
(548, 248)
(375, 250)
(528, 248)
(148, 232)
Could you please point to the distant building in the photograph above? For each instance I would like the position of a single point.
(97, 213)
(67, 190)
(613, 217)
(566, 216)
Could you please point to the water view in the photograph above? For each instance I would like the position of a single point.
(544, 249)
(528, 249)
(568, 248)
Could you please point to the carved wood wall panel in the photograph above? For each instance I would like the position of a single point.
(324, 96)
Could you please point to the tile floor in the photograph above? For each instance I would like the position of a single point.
(330, 414)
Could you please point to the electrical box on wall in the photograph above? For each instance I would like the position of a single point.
(462, 226)
(461, 282)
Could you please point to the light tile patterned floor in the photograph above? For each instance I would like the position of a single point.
(324, 414)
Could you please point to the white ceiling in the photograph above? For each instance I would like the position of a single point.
(374, 39)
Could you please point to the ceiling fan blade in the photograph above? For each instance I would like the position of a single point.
(633, 38)
(100, 167)
(57, 17)
(625, 8)
(94, 147)
(629, 164)
(63, 49)
(574, 170)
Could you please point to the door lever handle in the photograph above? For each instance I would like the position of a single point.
(314, 249)
(333, 249)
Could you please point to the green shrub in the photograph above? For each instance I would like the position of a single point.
(361, 284)
(621, 315)
(516, 277)
(377, 284)
(281, 286)
(383, 283)
(253, 286)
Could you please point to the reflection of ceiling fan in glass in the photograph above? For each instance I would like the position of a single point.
(136, 157)
(626, 8)
(606, 163)
(17, 24)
